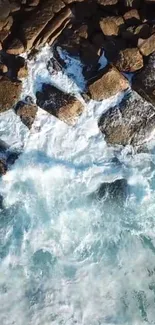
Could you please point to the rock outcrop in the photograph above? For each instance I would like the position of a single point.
(108, 84)
(64, 106)
(144, 81)
(131, 122)
(9, 93)
(27, 113)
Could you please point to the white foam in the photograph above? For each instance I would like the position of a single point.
(66, 257)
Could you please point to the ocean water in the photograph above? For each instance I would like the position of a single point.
(67, 256)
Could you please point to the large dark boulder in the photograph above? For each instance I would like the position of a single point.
(144, 81)
(62, 105)
(131, 122)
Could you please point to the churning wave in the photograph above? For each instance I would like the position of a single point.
(67, 256)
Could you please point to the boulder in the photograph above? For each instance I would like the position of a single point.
(15, 47)
(3, 167)
(108, 83)
(144, 82)
(131, 122)
(35, 24)
(132, 17)
(115, 191)
(147, 46)
(26, 112)
(9, 93)
(4, 9)
(64, 106)
(130, 60)
(110, 25)
(55, 26)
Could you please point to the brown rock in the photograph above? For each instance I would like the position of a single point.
(129, 123)
(33, 3)
(66, 107)
(82, 31)
(3, 68)
(35, 24)
(110, 25)
(130, 60)
(8, 24)
(131, 15)
(107, 2)
(56, 24)
(3, 167)
(148, 46)
(3, 35)
(27, 113)
(9, 93)
(108, 84)
(14, 5)
(23, 72)
(15, 47)
(4, 9)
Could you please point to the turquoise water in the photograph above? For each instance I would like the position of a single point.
(67, 255)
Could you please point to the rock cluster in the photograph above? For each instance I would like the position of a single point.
(123, 30)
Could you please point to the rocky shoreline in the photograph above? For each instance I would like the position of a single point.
(122, 30)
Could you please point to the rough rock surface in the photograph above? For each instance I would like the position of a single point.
(130, 60)
(108, 84)
(66, 107)
(3, 167)
(147, 46)
(26, 112)
(9, 93)
(144, 81)
(131, 122)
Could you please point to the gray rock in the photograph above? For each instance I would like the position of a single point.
(144, 81)
(131, 122)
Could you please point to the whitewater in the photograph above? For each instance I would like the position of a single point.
(66, 256)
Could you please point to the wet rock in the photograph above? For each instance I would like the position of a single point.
(147, 46)
(15, 47)
(144, 81)
(12, 157)
(3, 167)
(115, 191)
(26, 112)
(9, 93)
(131, 122)
(130, 60)
(3, 69)
(108, 84)
(64, 106)
(110, 25)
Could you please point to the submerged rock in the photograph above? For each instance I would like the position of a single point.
(64, 106)
(115, 191)
(131, 122)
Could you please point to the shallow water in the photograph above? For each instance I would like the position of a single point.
(68, 257)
